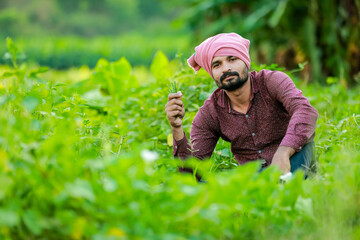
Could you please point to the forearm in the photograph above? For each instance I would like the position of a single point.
(285, 151)
(281, 158)
(178, 133)
(181, 146)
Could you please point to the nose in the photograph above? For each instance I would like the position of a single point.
(226, 67)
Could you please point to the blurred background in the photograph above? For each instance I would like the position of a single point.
(321, 35)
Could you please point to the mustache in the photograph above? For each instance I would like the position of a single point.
(227, 74)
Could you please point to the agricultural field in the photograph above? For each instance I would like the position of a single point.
(74, 51)
(86, 153)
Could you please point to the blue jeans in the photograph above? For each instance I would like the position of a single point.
(303, 160)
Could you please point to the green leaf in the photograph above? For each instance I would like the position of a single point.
(121, 68)
(110, 185)
(30, 103)
(225, 152)
(304, 205)
(302, 65)
(160, 66)
(3, 100)
(279, 11)
(8, 218)
(7, 56)
(6, 182)
(59, 84)
(13, 50)
(11, 46)
(35, 72)
(80, 189)
(255, 18)
(122, 79)
(94, 98)
(8, 74)
(33, 221)
(173, 87)
(332, 80)
(189, 190)
(114, 78)
(102, 64)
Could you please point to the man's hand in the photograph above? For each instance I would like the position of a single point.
(282, 158)
(175, 112)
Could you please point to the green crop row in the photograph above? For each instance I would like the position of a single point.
(66, 52)
(92, 159)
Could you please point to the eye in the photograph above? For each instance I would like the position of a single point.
(233, 59)
(215, 65)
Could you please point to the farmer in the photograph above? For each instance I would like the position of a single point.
(262, 114)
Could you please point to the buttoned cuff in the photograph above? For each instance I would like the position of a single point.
(294, 141)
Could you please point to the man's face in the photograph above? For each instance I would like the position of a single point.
(229, 72)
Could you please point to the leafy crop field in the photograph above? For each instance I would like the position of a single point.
(87, 154)
(66, 52)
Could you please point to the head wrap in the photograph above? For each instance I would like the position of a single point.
(223, 44)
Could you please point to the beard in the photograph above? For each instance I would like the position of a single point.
(234, 83)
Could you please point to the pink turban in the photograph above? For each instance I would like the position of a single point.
(224, 44)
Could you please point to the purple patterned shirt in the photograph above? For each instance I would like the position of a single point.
(278, 115)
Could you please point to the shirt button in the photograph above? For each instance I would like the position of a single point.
(175, 147)
(253, 134)
(259, 151)
(246, 116)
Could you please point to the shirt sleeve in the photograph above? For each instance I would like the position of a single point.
(301, 128)
(181, 148)
(204, 136)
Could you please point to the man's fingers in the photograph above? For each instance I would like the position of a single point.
(173, 108)
(174, 102)
(174, 95)
(174, 114)
(182, 112)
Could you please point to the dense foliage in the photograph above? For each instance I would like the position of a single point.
(92, 159)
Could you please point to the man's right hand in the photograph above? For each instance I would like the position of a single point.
(175, 112)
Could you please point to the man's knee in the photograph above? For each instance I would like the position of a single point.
(304, 160)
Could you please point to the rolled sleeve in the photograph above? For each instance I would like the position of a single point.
(302, 124)
(294, 141)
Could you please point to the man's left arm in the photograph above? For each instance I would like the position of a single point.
(301, 128)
